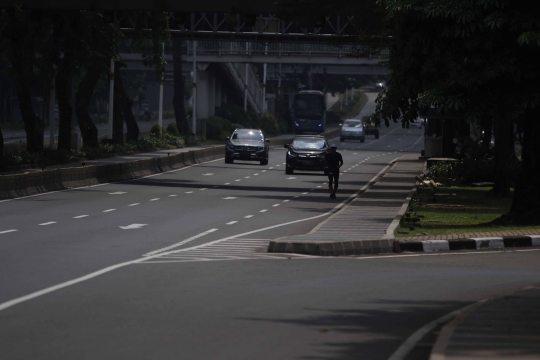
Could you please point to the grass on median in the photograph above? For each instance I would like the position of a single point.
(457, 210)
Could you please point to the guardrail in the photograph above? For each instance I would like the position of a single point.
(221, 48)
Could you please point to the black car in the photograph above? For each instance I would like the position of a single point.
(306, 153)
(247, 144)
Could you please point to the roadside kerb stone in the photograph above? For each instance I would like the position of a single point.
(504, 242)
(337, 248)
(17, 185)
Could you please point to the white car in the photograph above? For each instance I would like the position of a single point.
(352, 129)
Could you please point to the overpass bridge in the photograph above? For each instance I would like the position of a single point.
(234, 61)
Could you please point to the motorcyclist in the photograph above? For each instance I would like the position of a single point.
(333, 161)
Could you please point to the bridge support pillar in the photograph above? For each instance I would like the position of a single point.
(206, 96)
(218, 93)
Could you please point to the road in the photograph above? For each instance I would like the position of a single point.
(174, 266)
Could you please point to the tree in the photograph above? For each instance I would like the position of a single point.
(463, 57)
(179, 87)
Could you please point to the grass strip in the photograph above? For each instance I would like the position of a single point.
(457, 210)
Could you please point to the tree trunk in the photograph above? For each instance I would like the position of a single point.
(526, 202)
(65, 111)
(126, 106)
(1, 148)
(178, 99)
(89, 130)
(118, 116)
(504, 149)
(33, 124)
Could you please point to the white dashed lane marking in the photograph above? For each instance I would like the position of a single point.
(248, 216)
(291, 178)
(229, 198)
(275, 205)
(208, 174)
(106, 211)
(232, 222)
(227, 184)
(134, 204)
(202, 189)
(286, 200)
(118, 193)
(80, 216)
(264, 210)
(8, 231)
(48, 223)
(189, 192)
(304, 193)
(132, 226)
(172, 195)
(156, 199)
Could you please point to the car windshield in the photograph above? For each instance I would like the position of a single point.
(353, 123)
(247, 135)
(309, 143)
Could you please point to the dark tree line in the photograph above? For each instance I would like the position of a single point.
(46, 46)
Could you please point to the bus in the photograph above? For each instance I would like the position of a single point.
(309, 112)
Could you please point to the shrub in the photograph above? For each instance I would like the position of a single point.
(218, 128)
(441, 170)
(157, 131)
(269, 124)
(172, 129)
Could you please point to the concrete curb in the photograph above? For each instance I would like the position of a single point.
(338, 248)
(504, 242)
(18, 185)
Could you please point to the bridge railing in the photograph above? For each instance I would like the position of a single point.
(254, 86)
(221, 48)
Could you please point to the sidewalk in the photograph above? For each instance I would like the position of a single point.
(504, 328)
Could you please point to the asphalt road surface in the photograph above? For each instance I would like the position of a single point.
(174, 266)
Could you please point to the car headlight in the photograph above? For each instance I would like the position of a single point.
(290, 153)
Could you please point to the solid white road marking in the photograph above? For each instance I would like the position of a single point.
(232, 222)
(264, 210)
(132, 226)
(80, 216)
(105, 211)
(229, 198)
(156, 199)
(134, 204)
(118, 193)
(48, 223)
(248, 216)
(8, 231)
(180, 243)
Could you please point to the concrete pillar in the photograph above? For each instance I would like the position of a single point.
(203, 103)
(211, 95)
(218, 93)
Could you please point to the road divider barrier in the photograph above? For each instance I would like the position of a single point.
(17, 185)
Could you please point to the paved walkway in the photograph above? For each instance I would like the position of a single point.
(505, 328)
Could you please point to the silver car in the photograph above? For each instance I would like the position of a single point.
(352, 129)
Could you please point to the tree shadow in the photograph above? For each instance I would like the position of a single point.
(380, 327)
